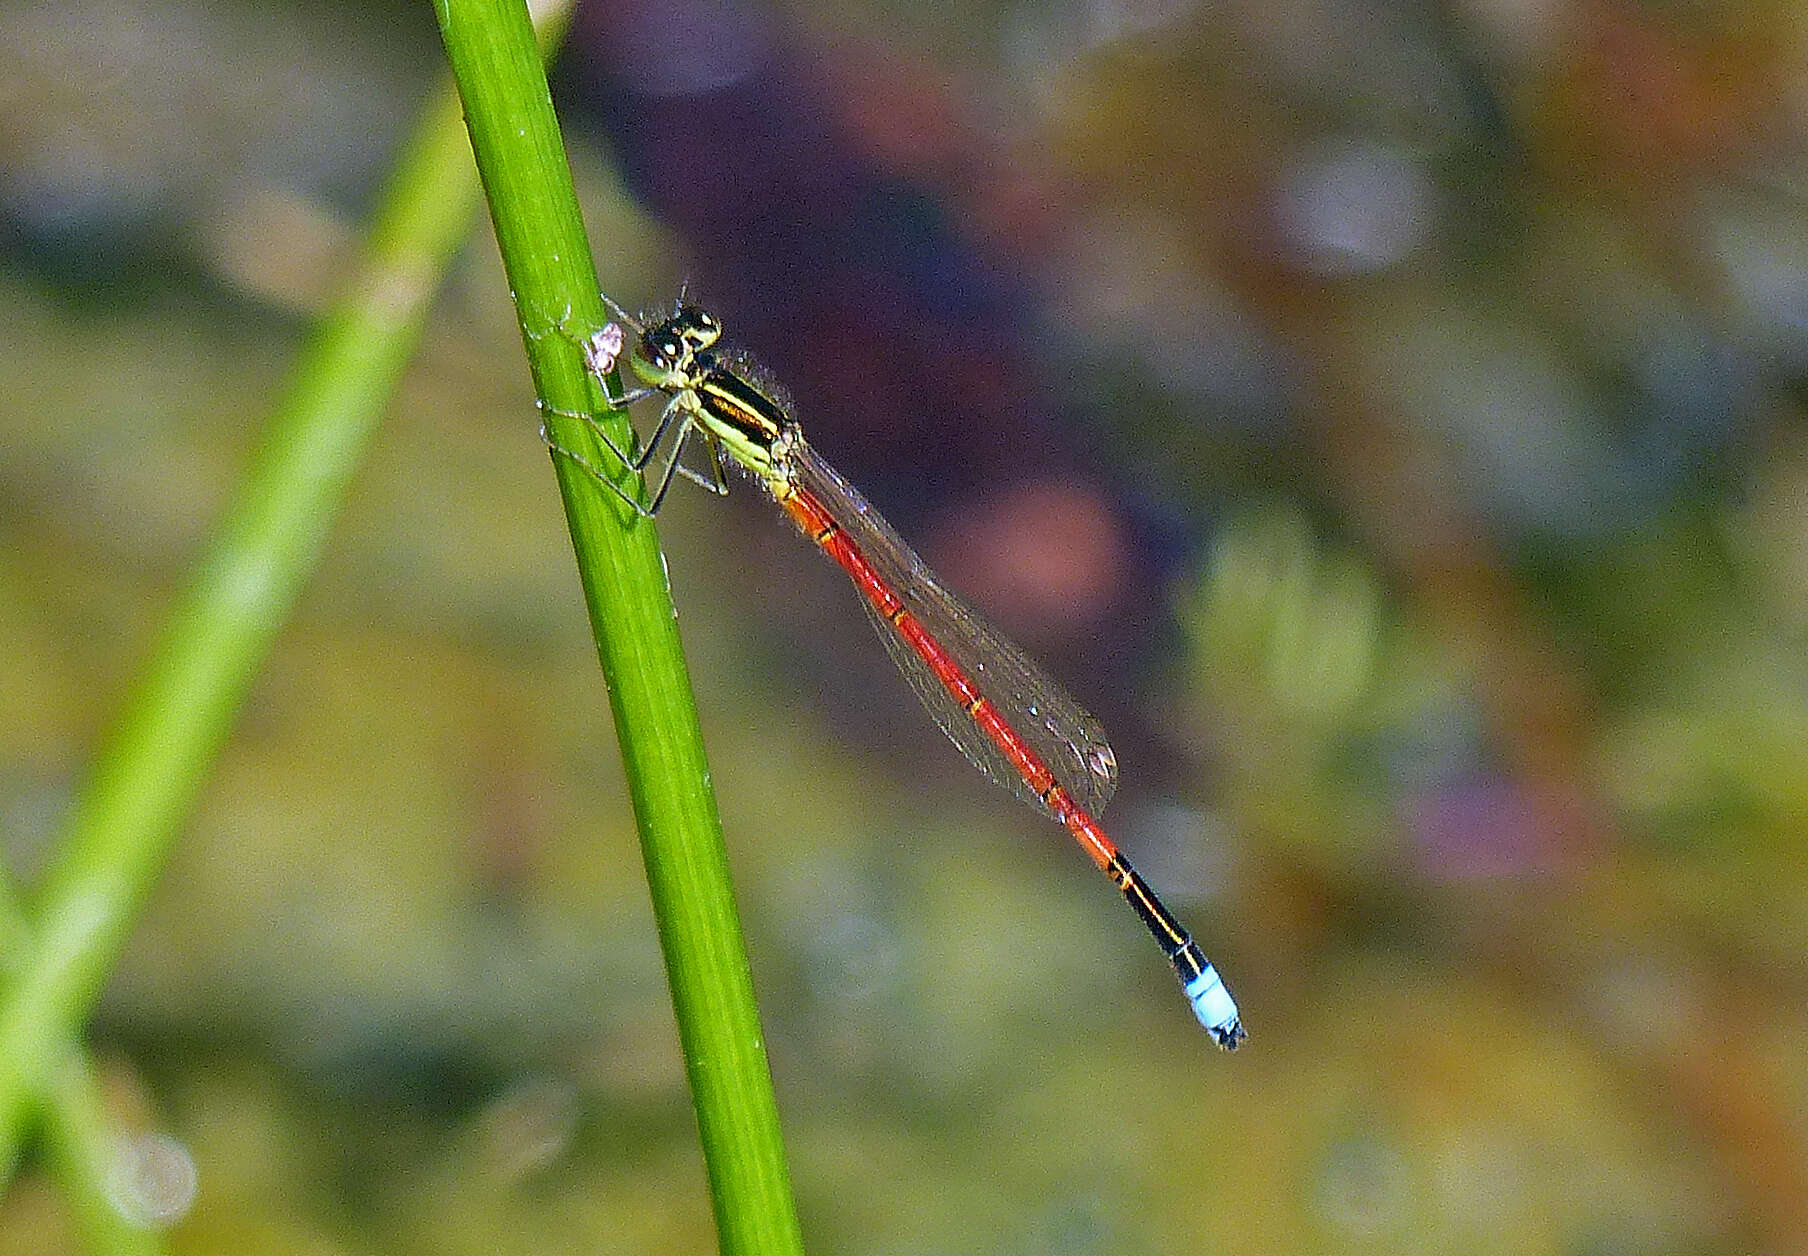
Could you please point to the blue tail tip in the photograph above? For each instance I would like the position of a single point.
(1216, 1010)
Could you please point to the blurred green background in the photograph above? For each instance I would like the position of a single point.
(1387, 417)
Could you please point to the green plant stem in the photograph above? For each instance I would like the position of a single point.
(146, 779)
(83, 1140)
(528, 182)
(85, 1146)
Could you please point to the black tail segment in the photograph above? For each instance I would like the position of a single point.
(1204, 989)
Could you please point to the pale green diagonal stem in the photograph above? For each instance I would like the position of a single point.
(82, 1139)
(145, 781)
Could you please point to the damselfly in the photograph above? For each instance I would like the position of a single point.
(1005, 713)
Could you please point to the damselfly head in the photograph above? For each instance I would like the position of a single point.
(672, 344)
(697, 325)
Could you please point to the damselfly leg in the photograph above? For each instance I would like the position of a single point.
(600, 353)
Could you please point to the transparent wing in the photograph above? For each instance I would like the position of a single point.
(1060, 731)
